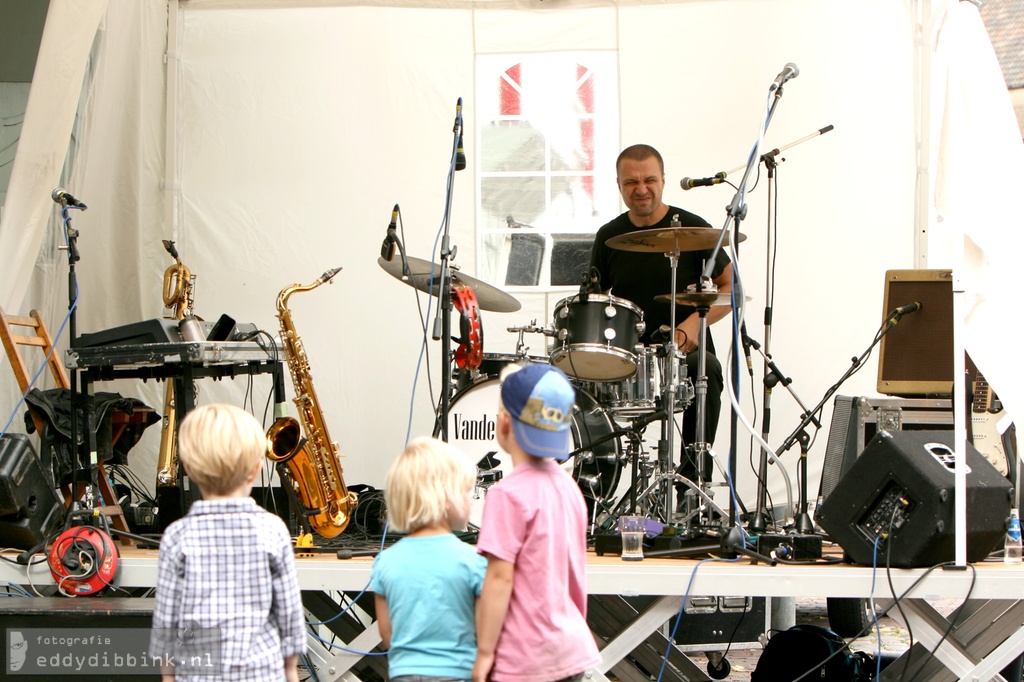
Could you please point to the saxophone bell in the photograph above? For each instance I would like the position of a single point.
(284, 439)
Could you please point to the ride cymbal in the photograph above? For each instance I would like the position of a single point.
(421, 273)
(669, 239)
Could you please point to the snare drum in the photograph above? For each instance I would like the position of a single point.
(596, 337)
(632, 397)
(472, 424)
(641, 393)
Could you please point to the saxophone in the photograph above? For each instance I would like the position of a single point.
(178, 287)
(310, 464)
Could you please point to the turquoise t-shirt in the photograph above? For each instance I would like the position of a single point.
(431, 584)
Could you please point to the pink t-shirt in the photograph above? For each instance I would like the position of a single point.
(536, 518)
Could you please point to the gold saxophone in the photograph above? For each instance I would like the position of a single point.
(178, 288)
(311, 463)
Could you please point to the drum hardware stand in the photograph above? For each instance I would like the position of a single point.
(633, 453)
(521, 347)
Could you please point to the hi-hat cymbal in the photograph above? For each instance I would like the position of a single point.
(420, 274)
(698, 298)
(669, 239)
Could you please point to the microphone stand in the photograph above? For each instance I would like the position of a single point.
(73, 257)
(759, 520)
(736, 212)
(773, 377)
(803, 523)
(442, 321)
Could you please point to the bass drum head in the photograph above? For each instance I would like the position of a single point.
(472, 427)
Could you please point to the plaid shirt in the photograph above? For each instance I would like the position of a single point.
(228, 564)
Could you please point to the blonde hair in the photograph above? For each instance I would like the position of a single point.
(425, 481)
(219, 445)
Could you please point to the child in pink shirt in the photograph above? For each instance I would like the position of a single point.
(531, 617)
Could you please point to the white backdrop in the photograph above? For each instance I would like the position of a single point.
(291, 132)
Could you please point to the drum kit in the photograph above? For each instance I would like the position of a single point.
(622, 386)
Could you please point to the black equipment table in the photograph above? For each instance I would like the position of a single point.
(181, 362)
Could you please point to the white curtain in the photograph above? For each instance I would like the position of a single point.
(979, 159)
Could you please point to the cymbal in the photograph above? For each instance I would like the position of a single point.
(669, 239)
(699, 298)
(420, 273)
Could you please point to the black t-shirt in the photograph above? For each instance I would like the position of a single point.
(639, 276)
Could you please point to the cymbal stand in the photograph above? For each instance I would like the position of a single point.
(443, 322)
(701, 448)
(667, 475)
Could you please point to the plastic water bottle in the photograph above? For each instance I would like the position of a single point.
(1012, 547)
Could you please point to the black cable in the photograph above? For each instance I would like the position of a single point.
(868, 627)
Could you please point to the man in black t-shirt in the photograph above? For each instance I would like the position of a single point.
(640, 276)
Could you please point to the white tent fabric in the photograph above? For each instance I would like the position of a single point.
(292, 130)
(979, 165)
(46, 134)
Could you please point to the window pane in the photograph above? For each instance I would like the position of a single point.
(549, 133)
(523, 198)
(511, 146)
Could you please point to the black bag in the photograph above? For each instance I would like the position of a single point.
(810, 653)
(57, 453)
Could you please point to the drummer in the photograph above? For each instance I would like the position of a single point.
(640, 276)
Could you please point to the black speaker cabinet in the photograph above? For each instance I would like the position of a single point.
(29, 508)
(901, 490)
(915, 357)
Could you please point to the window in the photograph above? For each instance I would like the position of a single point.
(548, 138)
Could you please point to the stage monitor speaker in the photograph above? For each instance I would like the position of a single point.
(856, 420)
(915, 357)
(900, 490)
(29, 508)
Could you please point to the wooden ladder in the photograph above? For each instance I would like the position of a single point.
(38, 337)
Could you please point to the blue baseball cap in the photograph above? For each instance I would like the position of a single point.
(540, 399)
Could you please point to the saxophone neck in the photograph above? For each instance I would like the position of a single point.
(282, 298)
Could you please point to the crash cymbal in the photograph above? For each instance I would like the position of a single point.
(669, 239)
(420, 273)
(698, 298)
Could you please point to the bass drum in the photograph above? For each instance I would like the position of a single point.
(472, 427)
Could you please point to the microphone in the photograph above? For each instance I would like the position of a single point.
(662, 334)
(747, 343)
(460, 151)
(387, 247)
(65, 199)
(906, 310)
(788, 71)
(690, 183)
(584, 295)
